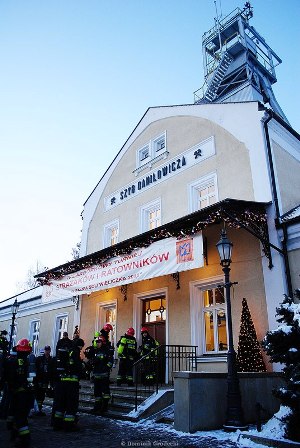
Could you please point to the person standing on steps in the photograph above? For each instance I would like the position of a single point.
(127, 354)
(102, 362)
(150, 356)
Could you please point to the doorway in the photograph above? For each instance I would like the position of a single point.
(154, 317)
(107, 314)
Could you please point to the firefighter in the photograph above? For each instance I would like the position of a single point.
(150, 357)
(66, 394)
(109, 343)
(19, 374)
(44, 369)
(102, 363)
(105, 332)
(127, 353)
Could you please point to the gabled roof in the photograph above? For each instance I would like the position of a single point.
(236, 213)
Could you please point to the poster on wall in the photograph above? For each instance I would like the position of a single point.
(160, 258)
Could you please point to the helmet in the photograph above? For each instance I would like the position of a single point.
(24, 345)
(108, 327)
(96, 334)
(130, 331)
(144, 330)
(101, 339)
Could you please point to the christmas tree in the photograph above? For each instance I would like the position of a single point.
(283, 346)
(249, 357)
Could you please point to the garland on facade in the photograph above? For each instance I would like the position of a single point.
(232, 212)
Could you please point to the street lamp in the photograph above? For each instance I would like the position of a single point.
(234, 413)
(14, 310)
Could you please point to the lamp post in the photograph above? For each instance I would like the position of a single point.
(234, 413)
(14, 310)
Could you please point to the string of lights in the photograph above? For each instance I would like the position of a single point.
(235, 213)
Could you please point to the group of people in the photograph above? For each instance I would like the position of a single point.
(25, 380)
(128, 355)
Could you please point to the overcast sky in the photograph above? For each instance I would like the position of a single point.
(76, 77)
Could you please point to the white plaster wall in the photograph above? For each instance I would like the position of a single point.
(242, 120)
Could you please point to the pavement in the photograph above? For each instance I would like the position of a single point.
(96, 432)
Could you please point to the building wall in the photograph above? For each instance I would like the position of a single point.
(33, 308)
(231, 163)
(287, 169)
(246, 269)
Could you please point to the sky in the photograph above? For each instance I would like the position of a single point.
(76, 77)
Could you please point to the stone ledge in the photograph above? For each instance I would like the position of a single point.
(273, 443)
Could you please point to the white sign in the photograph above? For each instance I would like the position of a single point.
(160, 258)
(186, 159)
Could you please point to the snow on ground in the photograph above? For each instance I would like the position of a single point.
(273, 430)
(146, 425)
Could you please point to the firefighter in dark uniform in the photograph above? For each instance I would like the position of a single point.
(150, 358)
(3, 387)
(66, 393)
(102, 362)
(19, 374)
(44, 369)
(127, 353)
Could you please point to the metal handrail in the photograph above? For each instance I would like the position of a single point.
(162, 361)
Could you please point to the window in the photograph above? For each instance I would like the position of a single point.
(111, 233)
(203, 193)
(214, 320)
(34, 336)
(154, 310)
(153, 151)
(14, 335)
(61, 327)
(144, 154)
(159, 144)
(151, 215)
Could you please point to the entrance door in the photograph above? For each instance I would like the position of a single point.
(107, 315)
(154, 318)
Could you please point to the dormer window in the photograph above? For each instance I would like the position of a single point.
(159, 144)
(144, 154)
(153, 151)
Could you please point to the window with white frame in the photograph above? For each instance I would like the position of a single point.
(151, 215)
(14, 335)
(144, 154)
(111, 233)
(203, 192)
(154, 150)
(159, 145)
(61, 327)
(34, 335)
(214, 329)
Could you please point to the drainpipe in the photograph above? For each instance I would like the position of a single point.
(275, 198)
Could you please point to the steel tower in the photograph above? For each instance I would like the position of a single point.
(238, 63)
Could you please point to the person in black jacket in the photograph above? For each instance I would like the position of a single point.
(102, 362)
(64, 342)
(19, 378)
(66, 393)
(44, 373)
(149, 356)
